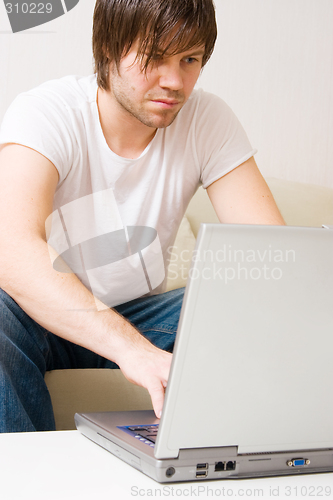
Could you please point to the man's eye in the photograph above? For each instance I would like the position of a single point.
(190, 60)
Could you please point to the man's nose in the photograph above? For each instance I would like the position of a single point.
(170, 76)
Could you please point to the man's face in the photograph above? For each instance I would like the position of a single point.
(155, 97)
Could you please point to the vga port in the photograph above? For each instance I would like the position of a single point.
(298, 462)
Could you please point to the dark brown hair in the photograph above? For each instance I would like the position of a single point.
(119, 23)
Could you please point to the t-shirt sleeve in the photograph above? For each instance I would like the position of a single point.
(34, 121)
(221, 141)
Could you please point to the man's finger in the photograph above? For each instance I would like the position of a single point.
(156, 392)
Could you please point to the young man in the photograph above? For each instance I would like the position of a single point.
(100, 170)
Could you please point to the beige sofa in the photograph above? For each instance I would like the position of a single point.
(108, 390)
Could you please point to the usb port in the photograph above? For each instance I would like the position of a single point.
(202, 466)
(201, 474)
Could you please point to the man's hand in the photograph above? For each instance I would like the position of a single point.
(145, 365)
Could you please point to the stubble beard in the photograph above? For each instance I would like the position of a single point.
(160, 119)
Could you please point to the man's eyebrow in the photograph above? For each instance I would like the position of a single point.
(196, 52)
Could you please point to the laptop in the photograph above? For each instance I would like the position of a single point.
(250, 392)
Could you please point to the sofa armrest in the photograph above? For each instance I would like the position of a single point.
(300, 204)
(90, 390)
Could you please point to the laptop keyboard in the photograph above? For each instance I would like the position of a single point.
(145, 433)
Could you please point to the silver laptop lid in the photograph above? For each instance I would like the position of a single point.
(253, 363)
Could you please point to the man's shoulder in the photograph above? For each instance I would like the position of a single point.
(203, 109)
(49, 118)
(69, 91)
(201, 102)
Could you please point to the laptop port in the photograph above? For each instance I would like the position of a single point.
(201, 474)
(202, 466)
(230, 465)
(298, 462)
(221, 466)
(170, 472)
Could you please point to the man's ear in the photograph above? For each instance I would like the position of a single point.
(107, 60)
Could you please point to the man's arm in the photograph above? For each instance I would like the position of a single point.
(243, 197)
(59, 301)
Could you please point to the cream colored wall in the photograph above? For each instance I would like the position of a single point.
(58, 48)
(272, 64)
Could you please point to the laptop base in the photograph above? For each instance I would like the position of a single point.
(195, 464)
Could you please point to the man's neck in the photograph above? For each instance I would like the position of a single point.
(125, 135)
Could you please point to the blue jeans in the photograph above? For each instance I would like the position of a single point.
(27, 351)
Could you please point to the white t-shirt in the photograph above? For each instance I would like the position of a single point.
(114, 218)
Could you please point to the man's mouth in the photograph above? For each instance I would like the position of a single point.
(166, 103)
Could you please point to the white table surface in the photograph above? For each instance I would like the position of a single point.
(66, 465)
